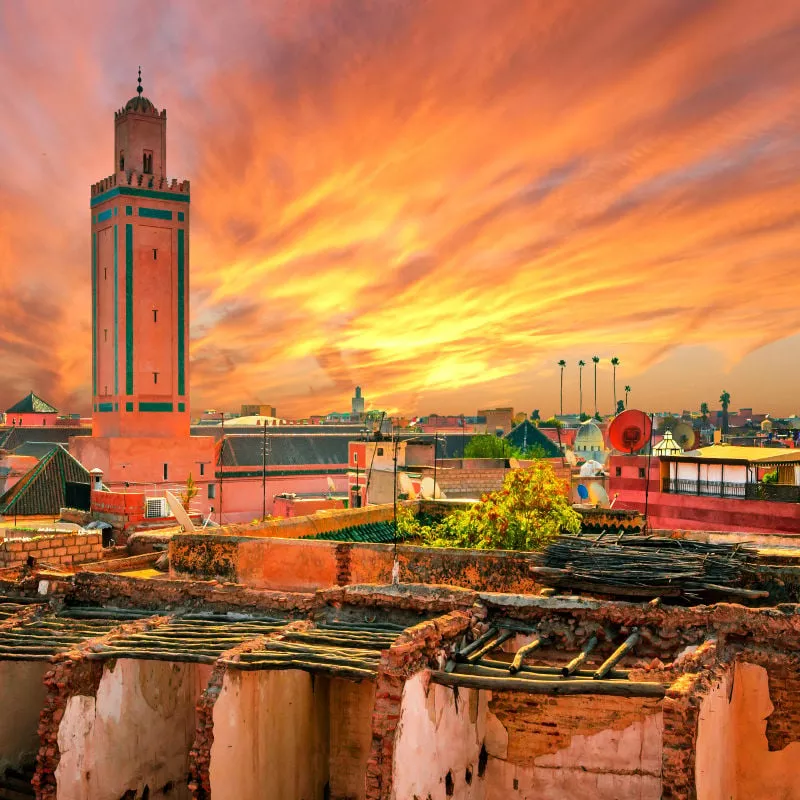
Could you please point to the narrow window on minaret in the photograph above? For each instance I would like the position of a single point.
(166, 471)
(122, 161)
(155, 377)
(155, 315)
(147, 162)
(155, 253)
(105, 273)
(105, 334)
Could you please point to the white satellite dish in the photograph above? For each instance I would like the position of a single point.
(331, 485)
(598, 494)
(426, 488)
(179, 512)
(590, 469)
(513, 463)
(406, 487)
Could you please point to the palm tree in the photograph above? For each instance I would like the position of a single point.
(627, 392)
(615, 364)
(562, 364)
(704, 411)
(596, 361)
(581, 365)
(725, 399)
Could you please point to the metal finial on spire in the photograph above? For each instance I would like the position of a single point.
(139, 87)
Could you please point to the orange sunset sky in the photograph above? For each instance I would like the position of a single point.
(436, 199)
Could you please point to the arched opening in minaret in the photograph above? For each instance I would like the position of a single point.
(122, 161)
(147, 162)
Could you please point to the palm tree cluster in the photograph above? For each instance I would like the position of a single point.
(618, 405)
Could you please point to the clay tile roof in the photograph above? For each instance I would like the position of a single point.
(31, 404)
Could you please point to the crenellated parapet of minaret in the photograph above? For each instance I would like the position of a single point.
(140, 180)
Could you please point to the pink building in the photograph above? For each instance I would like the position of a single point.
(140, 314)
(31, 412)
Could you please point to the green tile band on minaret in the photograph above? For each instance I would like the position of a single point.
(181, 316)
(129, 309)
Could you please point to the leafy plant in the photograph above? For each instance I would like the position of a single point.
(529, 512)
(770, 477)
(488, 446)
(189, 493)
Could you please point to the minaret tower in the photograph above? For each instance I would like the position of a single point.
(140, 284)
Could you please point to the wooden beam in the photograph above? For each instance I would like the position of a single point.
(617, 655)
(563, 687)
(479, 642)
(524, 651)
(580, 658)
(487, 648)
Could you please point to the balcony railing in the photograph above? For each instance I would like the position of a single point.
(775, 492)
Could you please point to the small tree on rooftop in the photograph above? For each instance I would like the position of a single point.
(189, 493)
(528, 513)
(488, 446)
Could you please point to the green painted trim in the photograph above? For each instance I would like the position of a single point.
(155, 407)
(181, 315)
(104, 407)
(155, 213)
(181, 216)
(116, 310)
(129, 309)
(128, 211)
(132, 191)
(94, 314)
(103, 216)
(257, 473)
(181, 406)
(129, 406)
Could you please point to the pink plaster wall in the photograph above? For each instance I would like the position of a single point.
(734, 761)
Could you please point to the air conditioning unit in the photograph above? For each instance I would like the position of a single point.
(156, 507)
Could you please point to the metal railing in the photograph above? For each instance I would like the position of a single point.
(704, 488)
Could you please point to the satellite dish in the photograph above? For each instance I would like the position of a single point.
(583, 492)
(430, 490)
(598, 494)
(406, 487)
(513, 463)
(684, 434)
(179, 512)
(630, 431)
(331, 485)
(591, 468)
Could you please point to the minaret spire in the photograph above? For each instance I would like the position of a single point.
(139, 89)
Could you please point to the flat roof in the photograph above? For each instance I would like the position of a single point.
(739, 453)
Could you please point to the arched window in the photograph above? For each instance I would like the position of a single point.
(147, 162)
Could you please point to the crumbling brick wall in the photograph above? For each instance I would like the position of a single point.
(415, 649)
(57, 550)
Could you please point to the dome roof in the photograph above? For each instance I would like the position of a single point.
(140, 104)
(589, 437)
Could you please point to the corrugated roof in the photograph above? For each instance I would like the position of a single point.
(42, 490)
(245, 450)
(526, 435)
(11, 438)
(375, 532)
(35, 449)
(31, 404)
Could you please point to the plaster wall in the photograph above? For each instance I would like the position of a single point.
(22, 697)
(734, 761)
(480, 747)
(136, 732)
(270, 736)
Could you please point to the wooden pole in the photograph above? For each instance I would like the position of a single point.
(617, 655)
(522, 653)
(493, 645)
(579, 659)
(479, 642)
(562, 687)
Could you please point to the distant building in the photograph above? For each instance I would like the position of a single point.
(31, 412)
(589, 443)
(259, 410)
(357, 404)
(497, 419)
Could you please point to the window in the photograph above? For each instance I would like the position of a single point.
(44, 420)
(166, 471)
(212, 491)
(202, 470)
(641, 472)
(618, 472)
(122, 161)
(105, 273)
(155, 315)
(155, 377)
(105, 334)
(380, 451)
(155, 253)
(147, 162)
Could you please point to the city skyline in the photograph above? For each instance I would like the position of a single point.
(379, 199)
